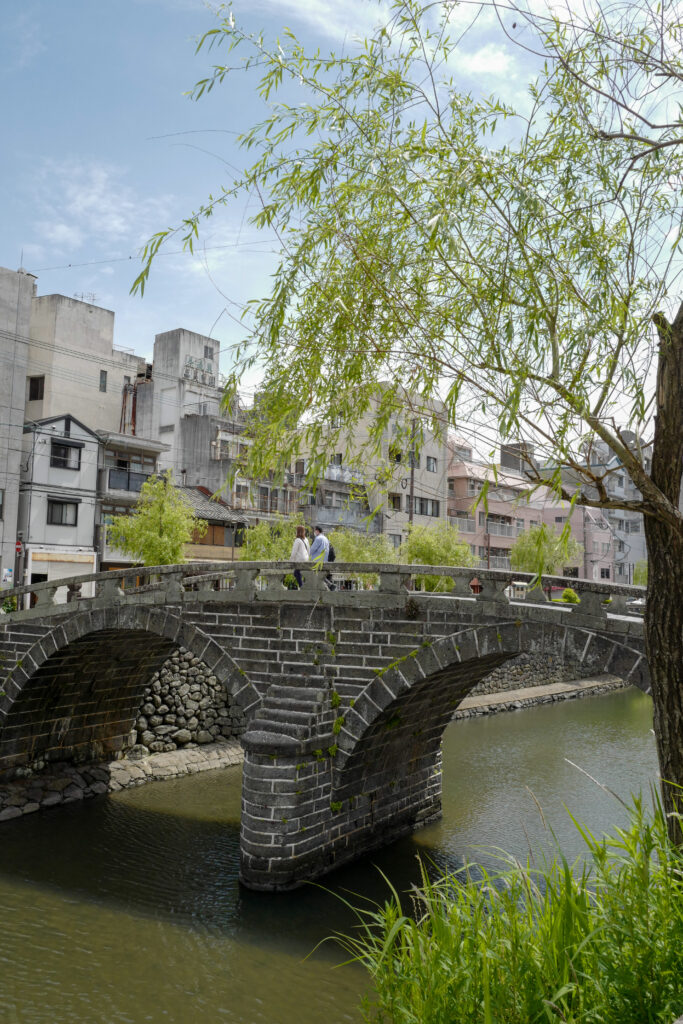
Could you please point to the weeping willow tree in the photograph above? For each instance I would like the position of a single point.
(513, 268)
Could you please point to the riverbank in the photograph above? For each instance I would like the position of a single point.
(66, 783)
(529, 696)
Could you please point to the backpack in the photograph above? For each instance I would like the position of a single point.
(331, 557)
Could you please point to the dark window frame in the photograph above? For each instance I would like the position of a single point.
(103, 381)
(37, 385)
(60, 461)
(53, 504)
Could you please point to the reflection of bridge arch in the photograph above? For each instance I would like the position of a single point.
(75, 692)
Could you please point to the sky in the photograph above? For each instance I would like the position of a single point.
(102, 147)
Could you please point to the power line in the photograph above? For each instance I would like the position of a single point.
(161, 252)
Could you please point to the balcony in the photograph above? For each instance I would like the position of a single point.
(330, 517)
(500, 530)
(465, 524)
(126, 480)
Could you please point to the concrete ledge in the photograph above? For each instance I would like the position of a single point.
(513, 700)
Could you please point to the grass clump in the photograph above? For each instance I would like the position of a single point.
(596, 942)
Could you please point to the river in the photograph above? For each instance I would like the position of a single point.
(128, 910)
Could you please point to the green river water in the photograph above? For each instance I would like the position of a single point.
(128, 909)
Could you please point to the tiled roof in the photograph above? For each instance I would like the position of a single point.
(206, 508)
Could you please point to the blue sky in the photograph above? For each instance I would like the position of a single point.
(102, 148)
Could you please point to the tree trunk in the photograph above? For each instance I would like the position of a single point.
(664, 608)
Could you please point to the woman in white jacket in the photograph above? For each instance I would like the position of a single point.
(300, 552)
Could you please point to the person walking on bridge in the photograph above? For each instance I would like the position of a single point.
(320, 548)
(300, 552)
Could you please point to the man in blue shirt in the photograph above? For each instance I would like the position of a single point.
(319, 548)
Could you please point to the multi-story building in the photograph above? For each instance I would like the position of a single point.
(58, 499)
(512, 509)
(17, 289)
(73, 364)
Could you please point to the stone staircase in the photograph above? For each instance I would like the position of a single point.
(292, 718)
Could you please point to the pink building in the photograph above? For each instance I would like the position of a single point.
(511, 510)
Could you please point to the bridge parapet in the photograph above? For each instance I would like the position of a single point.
(363, 583)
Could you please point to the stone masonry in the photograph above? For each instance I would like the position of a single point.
(345, 695)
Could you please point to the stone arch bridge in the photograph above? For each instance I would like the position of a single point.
(346, 693)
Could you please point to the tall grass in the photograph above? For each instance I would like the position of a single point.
(597, 941)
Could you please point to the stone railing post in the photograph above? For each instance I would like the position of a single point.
(390, 581)
(45, 598)
(493, 590)
(73, 592)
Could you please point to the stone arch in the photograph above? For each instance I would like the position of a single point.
(394, 729)
(75, 692)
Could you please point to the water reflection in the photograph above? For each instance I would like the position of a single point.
(129, 909)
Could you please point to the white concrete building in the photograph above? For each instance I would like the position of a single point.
(58, 499)
(72, 364)
(183, 383)
(17, 289)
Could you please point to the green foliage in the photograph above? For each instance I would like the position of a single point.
(601, 941)
(435, 545)
(640, 574)
(569, 596)
(541, 551)
(160, 525)
(9, 604)
(442, 243)
(357, 546)
(271, 540)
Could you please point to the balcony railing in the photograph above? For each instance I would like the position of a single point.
(126, 480)
(500, 530)
(464, 523)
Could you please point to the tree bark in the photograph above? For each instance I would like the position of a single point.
(664, 606)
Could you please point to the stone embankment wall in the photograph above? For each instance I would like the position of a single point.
(68, 783)
(533, 669)
(183, 706)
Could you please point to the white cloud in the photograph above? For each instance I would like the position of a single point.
(338, 21)
(23, 40)
(88, 203)
(489, 59)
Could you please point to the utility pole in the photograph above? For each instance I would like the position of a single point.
(411, 499)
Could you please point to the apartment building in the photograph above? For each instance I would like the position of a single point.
(512, 509)
(17, 289)
(58, 499)
(73, 363)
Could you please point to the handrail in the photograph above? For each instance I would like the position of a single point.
(189, 570)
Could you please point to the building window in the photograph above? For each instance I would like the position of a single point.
(605, 547)
(2, 504)
(62, 513)
(431, 464)
(336, 459)
(395, 453)
(395, 502)
(451, 485)
(208, 352)
(482, 519)
(604, 573)
(426, 507)
(519, 526)
(414, 460)
(126, 381)
(65, 456)
(620, 481)
(395, 539)
(533, 523)
(560, 519)
(474, 487)
(36, 389)
(103, 380)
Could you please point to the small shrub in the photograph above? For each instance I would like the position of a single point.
(570, 596)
